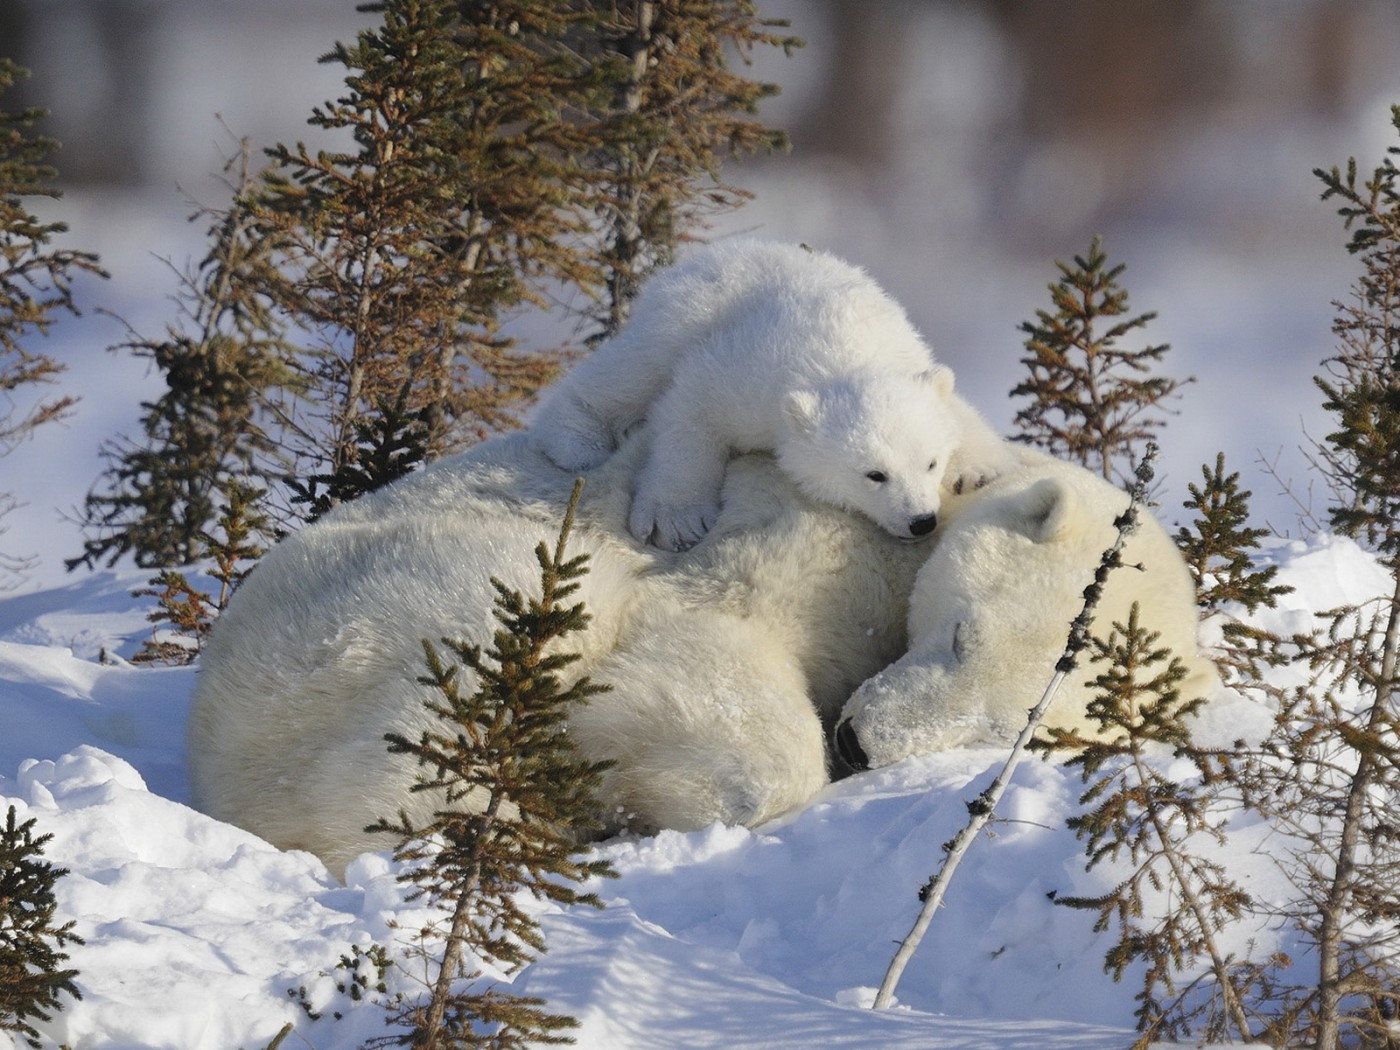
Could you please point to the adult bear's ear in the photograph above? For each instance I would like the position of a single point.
(1046, 510)
(802, 409)
(939, 379)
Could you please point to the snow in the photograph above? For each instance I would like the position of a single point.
(196, 932)
(199, 935)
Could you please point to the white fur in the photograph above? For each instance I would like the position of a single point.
(991, 609)
(758, 346)
(716, 656)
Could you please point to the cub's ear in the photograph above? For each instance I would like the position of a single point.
(1046, 511)
(939, 379)
(802, 409)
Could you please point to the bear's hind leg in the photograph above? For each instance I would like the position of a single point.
(708, 719)
(589, 411)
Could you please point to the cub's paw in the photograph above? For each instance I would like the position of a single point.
(972, 482)
(572, 451)
(671, 528)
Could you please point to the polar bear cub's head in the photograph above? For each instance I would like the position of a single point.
(874, 442)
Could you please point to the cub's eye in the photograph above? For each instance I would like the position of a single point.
(877, 476)
(933, 464)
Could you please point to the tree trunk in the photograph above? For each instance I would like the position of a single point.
(1331, 981)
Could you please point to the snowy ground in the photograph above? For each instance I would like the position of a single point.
(196, 931)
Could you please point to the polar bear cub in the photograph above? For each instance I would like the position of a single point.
(750, 346)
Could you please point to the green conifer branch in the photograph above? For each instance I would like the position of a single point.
(514, 794)
(1092, 400)
(36, 286)
(31, 973)
(1136, 815)
(1220, 550)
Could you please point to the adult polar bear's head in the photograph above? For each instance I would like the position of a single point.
(991, 609)
(876, 443)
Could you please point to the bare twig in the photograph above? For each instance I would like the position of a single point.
(982, 808)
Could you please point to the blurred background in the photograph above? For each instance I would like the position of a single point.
(955, 148)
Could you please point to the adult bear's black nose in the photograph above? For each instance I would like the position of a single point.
(848, 746)
(924, 525)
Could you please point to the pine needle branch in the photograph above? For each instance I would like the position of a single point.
(513, 793)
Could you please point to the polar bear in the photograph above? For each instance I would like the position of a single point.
(754, 345)
(728, 664)
(991, 609)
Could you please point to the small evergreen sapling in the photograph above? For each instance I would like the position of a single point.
(184, 614)
(1134, 809)
(1093, 400)
(1219, 552)
(31, 955)
(183, 618)
(243, 528)
(158, 496)
(513, 792)
(1220, 549)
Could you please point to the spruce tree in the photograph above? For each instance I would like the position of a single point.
(1220, 549)
(31, 957)
(203, 438)
(184, 614)
(513, 793)
(36, 282)
(1354, 886)
(676, 111)
(457, 200)
(389, 444)
(491, 158)
(1362, 456)
(1133, 810)
(237, 542)
(1329, 773)
(183, 618)
(1093, 400)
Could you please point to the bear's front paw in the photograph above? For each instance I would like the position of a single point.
(672, 528)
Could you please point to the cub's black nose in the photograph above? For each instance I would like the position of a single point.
(848, 747)
(923, 526)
